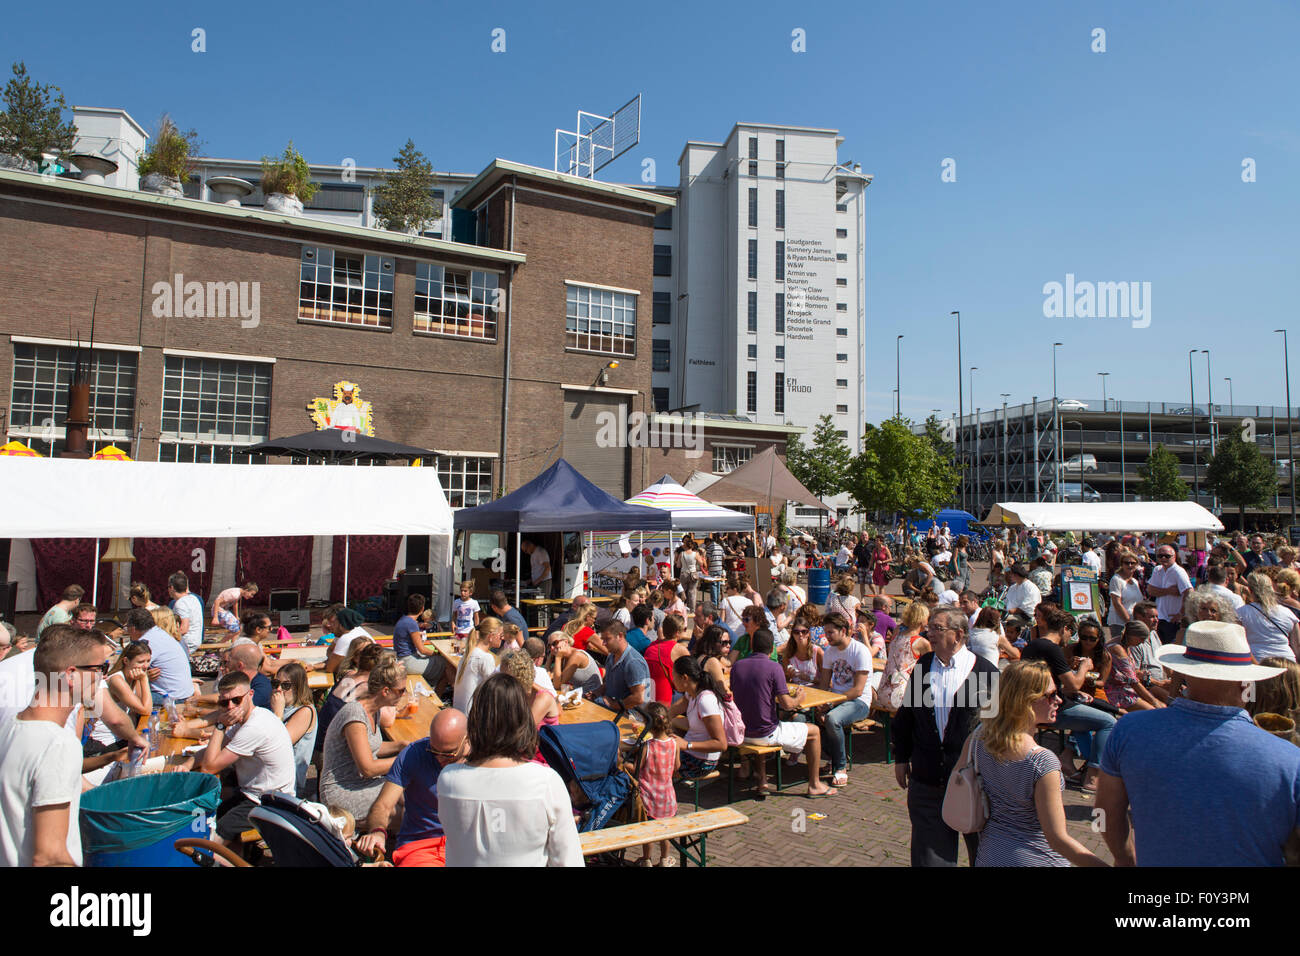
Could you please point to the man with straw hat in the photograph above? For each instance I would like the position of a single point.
(1205, 785)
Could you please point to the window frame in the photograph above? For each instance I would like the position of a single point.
(577, 287)
(309, 310)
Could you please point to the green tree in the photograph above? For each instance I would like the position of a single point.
(935, 433)
(1240, 475)
(899, 471)
(822, 468)
(1160, 479)
(405, 201)
(32, 122)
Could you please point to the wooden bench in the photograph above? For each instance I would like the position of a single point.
(694, 784)
(760, 753)
(687, 832)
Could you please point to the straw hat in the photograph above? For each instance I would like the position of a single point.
(1215, 650)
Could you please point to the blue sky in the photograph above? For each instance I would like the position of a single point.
(1117, 166)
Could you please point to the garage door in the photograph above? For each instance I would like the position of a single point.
(584, 415)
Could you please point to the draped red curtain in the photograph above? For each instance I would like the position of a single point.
(157, 559)
(370, 562)
(64, 561)
(274, 562)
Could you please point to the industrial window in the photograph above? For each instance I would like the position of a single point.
(751, 351)
(841, 233)
(600, 320)
(778, 397)
(841, 383)
(751, 392)
(780, 353)
(753, 156)
(780, 209)
(38, 401)
(841, 207)
(842, 409)
(843, 333)
(662, 349)
(660, 396)
(663, 260)
(466, 481)
(663, 308)
(753, 208)
(212, 406)
(456, 302)
(841, 257)
(345, 287)
(753, 312)
(780, 313)
(753, 258)
(780, 159)
(727, 458)
(664, 219)
(841, 281)
(780, 261)
(841, 356)
(841, 307)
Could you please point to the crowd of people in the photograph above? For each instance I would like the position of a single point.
(1157, 696)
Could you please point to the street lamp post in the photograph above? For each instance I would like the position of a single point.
(1102, 376)
(1290, 454)
(960, 408)
(1080, 425)
(898, 380)
(1196, 473)
(1213, 425)
(1056, 429)
(1005, 476)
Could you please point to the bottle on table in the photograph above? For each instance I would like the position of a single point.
(155, 733)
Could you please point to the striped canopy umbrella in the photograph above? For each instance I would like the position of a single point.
(691, 512)
(19, 450)
(110, 453)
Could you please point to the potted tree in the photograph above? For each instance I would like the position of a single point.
(32, 123)
(168, 162)
(405, 203)
(286, 182)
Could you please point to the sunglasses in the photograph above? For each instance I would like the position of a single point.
(800, 630)
(102, 668)
(282, 684)
(1048, 696)
(232, 701)
(451, 754)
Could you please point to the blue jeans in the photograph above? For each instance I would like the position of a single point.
(1095, 723)
(849, 712)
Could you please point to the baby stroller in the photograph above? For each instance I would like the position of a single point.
(293, 830)
(587, 757)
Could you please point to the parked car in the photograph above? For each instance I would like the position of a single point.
(1070, 492)
(1072, 464)
(1188, 410)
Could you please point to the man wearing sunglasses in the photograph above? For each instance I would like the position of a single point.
(414, 775)
(255, 742)
(1167, 584)
(40, 755)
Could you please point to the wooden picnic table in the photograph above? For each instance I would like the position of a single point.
(405, 730)
(816, 697)
(686, 832)
(443, 647)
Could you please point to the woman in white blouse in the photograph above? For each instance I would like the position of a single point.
(1125, 592)
(500, 808)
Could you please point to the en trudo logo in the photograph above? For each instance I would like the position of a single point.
(208, 300)
(1098, 300)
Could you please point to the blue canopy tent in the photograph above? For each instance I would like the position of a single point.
(560, 499)
(958, 521)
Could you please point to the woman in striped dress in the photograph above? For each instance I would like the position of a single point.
(1023, 782)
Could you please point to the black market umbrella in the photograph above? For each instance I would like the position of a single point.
(336, 445)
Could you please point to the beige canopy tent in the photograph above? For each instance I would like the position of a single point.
(763, 481)
(1179, 516)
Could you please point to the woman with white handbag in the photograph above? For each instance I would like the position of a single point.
(1020, 780)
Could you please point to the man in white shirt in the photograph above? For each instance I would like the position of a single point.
(844, 556)
(188, 610)
(540, 562)
(255, 742)
(1091, 559)
(1167, 585)
(970, 606)
(40, 761)
(1023, 595)
(846, 669)
(1216, 575)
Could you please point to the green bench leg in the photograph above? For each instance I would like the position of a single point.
(889, 737)
(687, 848)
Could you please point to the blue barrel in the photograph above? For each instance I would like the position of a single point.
(819, 585)
(134, 822)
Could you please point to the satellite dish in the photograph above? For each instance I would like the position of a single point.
(597, 140)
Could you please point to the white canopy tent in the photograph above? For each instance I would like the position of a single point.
(1104, 516)
(69, 498)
